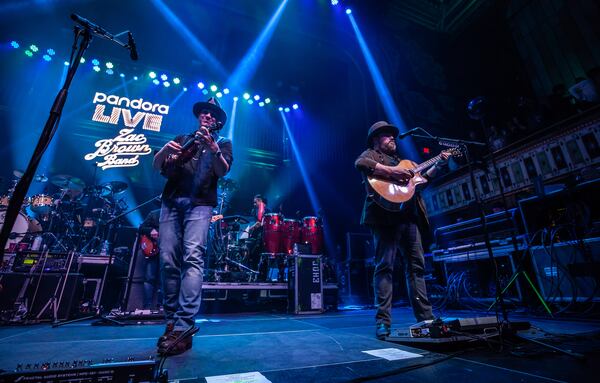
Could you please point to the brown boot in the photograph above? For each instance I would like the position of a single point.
(168, 330)
(174, 344)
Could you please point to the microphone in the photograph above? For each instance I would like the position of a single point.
(408, 133)
(90, 25)
(132, 47)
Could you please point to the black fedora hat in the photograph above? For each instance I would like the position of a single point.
(212, 104)
(379, 127)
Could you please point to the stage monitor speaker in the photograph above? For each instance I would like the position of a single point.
(568, 271)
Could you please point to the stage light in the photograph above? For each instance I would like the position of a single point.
(96, 68)
(34, 48)
(109, 71)
(51, 52)
(166, 84)
(295, 106)
(176, 80)
(213, 87)
(163, 77)
(29, 53)
(205, 91)
(219, 94)
(235, 98)
(47, 57)
(152, 74)
(95, 62)
(185, 89)
(256, 97)
(14, 44)
(226, 91)
(82, 60)
(267, 100)
(246, 96)
(201, 85)
(66, 63)
(155, 81)
(280, 109)
(335, 2)
(261, 104)
(286, 109)
(426, 150)
(250, 101)
(348, 11)
(135, 78)
(122, 75)
(109, 65)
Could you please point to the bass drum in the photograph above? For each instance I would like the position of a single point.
(23, 225)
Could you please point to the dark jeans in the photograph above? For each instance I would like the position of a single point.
(183, 233)
(151, 281)
(388, 240)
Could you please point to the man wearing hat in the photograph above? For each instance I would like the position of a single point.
(393, 231)
(187, 202)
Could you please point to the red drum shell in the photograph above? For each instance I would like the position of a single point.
(272, 232)
(291, 235)
(312, 233)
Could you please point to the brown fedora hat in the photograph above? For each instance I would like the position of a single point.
(379, 127)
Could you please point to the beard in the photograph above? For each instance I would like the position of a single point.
(390, 147)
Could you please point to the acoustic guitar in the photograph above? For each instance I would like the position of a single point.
(149, 245)
(391, 194)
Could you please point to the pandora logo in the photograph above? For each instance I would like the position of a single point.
(111, 108)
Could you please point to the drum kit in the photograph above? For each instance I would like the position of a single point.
(74, 217)
(246, 252)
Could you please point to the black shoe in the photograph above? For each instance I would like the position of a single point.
(168, 330)
(175, 344)
(382, 331)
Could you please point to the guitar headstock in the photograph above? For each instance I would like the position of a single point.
(453, 152)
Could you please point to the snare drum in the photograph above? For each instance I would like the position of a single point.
(42, 203)
(312, 233)
(19, 230)
(290, 235)
(272, 234)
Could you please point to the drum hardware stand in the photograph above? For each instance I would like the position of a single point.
(505, 326)
(54, 302)
(241, 266)
(82, 35)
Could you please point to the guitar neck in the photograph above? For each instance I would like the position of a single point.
(426, 164)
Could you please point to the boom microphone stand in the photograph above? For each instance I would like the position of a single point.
(83, 35)
(505, 326)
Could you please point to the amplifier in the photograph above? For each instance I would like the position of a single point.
(305, 281)
(568, 271)
(25, 261)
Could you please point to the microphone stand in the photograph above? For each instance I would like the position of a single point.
(505, 326)
(444, 141)
(83, 37)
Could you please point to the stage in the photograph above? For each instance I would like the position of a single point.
(317, 348)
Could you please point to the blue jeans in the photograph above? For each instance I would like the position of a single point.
(151, 279)
(405, 239)
(182, 242)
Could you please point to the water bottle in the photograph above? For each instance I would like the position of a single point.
(105, 248)
(37, 243)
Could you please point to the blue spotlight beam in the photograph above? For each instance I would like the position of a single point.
(199, 49)
(249, 63)
(408, 148)
(232, 119)
(312, 195)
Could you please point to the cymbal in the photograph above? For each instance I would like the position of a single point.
(40, 178)
(36, 178)
(227, 184)
(236, 218)
(115, 187)
(65, 181)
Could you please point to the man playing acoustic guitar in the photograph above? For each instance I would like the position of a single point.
(395, 226)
